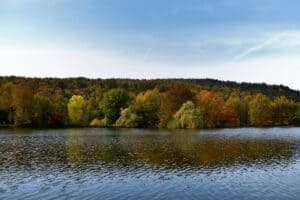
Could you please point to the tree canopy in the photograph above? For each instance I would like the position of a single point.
(113, 101)
(77, 110)
(160, 103)
(260, 111)
(189, 116)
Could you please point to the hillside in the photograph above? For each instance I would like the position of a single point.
(83, 86)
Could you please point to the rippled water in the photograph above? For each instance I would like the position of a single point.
(150, 164)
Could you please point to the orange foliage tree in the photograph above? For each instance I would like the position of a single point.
(211, 105)
(172, 101)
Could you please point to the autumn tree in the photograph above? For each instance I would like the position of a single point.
(93, 111)
(235, 111)
(146, 107)
(211, 105)
(143, 112)
(22, 104)
(77, 110)
(296, 119)
(112, 103)
(230, 117)
(244, 115)
(41, 111)
(128, 119)
(189, 116)
(260, 111)
(6, 107)
(93, 101)
(282, 110)
(26, 102)
(172, 100)
(59, 112)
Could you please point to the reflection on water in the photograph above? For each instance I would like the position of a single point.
(124, 164)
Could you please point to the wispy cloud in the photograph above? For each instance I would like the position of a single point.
(151, 39)
(260, 46)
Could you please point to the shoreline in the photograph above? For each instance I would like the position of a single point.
(140, 128)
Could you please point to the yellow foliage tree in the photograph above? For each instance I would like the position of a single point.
(76, 110)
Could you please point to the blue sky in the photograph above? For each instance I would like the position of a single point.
(249, 40)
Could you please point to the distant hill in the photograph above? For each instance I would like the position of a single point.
(69, 86)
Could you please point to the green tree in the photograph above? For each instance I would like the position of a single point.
(283, 111)
(189, 116)
(77, 110)
(260, 111)
(112, 103)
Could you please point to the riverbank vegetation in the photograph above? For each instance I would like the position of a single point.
(169, 103)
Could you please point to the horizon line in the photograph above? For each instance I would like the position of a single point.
(148, 79)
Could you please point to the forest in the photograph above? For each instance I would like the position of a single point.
(157, 103)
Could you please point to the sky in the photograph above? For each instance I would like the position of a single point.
(244, 41)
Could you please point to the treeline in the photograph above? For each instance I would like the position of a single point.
(170, 103)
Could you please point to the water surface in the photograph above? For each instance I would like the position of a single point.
(150, 164)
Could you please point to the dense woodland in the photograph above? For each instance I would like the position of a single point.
(160, 103)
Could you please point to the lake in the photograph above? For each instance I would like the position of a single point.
(136, 164)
